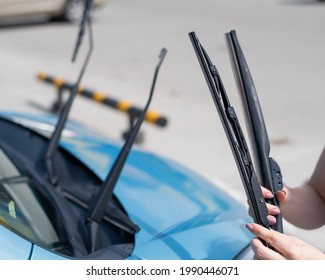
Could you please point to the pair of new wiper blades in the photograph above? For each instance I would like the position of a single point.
(262, 170)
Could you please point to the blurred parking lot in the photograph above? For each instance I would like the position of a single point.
(284, 45)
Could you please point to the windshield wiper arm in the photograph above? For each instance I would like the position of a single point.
(63, 116)
(234, 134)
(85, 18)
(100, 201)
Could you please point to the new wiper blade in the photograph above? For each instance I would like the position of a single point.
(100, 201)
(267, 170)
(63, 116)
(234, 134)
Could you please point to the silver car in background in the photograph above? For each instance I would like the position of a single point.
(69, 10)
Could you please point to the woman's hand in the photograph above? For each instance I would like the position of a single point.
(282, 196)
(287, 247)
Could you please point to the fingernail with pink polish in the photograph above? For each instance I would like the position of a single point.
(271, 220)
(269, 195)
(275, 211)
(249, 227)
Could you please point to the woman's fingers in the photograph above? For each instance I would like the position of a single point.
(282, 195)
(286, 247)
(272, 210)
(263, 253)
(271, 237)
(266, 193)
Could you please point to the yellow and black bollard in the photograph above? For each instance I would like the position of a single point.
(99, 96)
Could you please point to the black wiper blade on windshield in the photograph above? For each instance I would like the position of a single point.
(267, 170)
(100, 201)
(234, 134)
(63, 116)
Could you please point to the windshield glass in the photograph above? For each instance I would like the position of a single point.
(23, 209)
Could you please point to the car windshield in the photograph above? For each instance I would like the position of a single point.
(22, 207)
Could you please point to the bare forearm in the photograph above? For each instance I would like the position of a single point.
(305, 205)
(304, 208)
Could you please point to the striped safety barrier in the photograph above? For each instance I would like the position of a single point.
(99, 96)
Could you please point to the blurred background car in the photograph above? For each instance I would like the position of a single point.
(68, 10)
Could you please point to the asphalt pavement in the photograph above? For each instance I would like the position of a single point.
(284, 45)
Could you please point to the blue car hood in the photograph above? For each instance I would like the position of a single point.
(181, 215)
